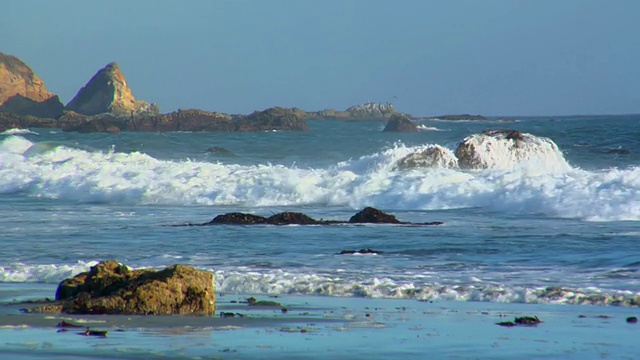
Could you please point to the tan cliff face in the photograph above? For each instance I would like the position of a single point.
(108, 92)
(23, 92)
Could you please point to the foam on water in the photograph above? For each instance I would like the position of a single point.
(18, 132)
(47, 273)
(547, 185)
(281, 282)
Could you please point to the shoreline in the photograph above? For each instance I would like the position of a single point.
(321, 327)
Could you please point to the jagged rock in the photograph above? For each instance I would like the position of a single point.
(112, 288)
(108, 92)
(431, 157)
(22, 92)
(371, 215)
(400, 123)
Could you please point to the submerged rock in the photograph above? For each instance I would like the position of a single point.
(219, 150)
(112, 288)
(521, 321)
(361, 251)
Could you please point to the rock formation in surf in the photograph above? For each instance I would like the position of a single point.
(367, 215)
(506, 148)
(108, 92)
(400, 123)
(112, 288)
(22, 92)
(434, 156)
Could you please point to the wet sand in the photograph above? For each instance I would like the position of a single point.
(331, 327)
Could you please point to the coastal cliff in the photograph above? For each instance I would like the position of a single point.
(22, 92)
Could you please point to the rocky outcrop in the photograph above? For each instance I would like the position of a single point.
(22, 92)
(371, 215)
(275, 118)
(372, 110)
(368, 215)
(13, 121)
(280, 119)
(108, 92)
(400, 123)
(112, 288)
(434, 156)
(183, 120)
(504, 149)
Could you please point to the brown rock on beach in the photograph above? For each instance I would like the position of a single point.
(112, 288)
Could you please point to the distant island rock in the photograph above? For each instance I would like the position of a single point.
(22, 92)
(458, 117)
(400, 123)
(106, 104)
(467, 117)
(367, 111)
(108, 92)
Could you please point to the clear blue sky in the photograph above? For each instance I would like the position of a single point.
(507, 57)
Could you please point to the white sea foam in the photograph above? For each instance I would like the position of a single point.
(281, 282)
(47, 273)
(499, 150)
(550, 187)
(423, 127)
(18, 132)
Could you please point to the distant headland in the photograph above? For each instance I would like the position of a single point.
(106, 104)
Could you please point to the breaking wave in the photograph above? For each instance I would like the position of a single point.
(534, 178)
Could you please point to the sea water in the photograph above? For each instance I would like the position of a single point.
(560, 228)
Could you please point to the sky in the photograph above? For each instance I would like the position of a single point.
(491, 57)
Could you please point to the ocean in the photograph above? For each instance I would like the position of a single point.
(554, 228)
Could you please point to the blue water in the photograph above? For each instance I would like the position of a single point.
(554, 231)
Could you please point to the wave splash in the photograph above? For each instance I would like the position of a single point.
(521, 175)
